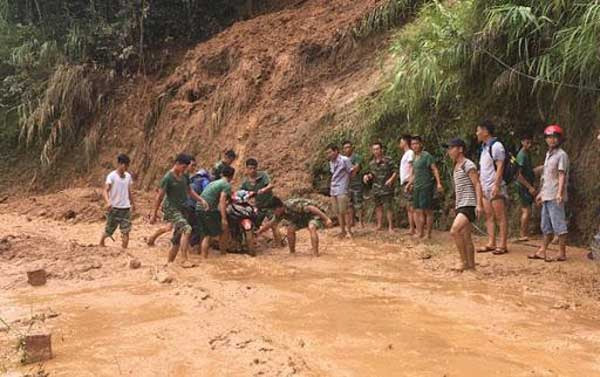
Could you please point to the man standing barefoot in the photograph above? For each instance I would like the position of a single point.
(421, 183)
(491, 163)
(382, 174)
(119, 201)
(212, 219)
(356, 185)
(525, 185)
(175, 189)
(299, 213)
(406, 170)
(340, 168)
(553, 195)
(189, 172)
(469, 202)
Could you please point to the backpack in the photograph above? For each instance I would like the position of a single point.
(511, 168)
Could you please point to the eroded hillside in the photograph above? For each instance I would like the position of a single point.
(269, 87)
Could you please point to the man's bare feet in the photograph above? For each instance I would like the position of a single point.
(459, 267)
(187, 264)
(342, 234)
(391, 230)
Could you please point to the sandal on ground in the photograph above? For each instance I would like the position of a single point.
(500, 251)
(522, 239)
(535, 256)
(485, 249)
(560, 259)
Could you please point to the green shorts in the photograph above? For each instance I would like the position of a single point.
(118, 218)
(302, 222)
(384, 200)
(423, 198)
(525, 197)
(209, 223)
(178, 219)
(356, 198)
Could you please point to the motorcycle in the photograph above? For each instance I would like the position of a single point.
(242, 216)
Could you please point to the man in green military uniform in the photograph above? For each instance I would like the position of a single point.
(356, 184)
(259, 183)
(382, 175)
(212, 221)
(424, 174)
(296, 214)
(173, 193)
(228, 158)
(525, 185)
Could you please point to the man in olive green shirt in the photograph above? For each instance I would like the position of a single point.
(421, 182)
(212, 222)
(228, 158)
(356, 184)
(259, 184)
(525, 185)
(173, 193)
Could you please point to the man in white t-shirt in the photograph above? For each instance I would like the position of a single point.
(491, 166)
(406, 166)
(119, 201)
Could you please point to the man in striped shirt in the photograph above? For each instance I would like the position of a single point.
(469, 202)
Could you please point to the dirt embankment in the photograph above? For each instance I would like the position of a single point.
(269, 87)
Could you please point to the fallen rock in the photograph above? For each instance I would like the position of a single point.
(134, 263)
(36, 348)
(36, 277)
(163, 277)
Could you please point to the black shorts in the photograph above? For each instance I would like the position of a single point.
(469, 212)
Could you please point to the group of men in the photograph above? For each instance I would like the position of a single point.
(479, 189)
(194, 206)
(194, 203)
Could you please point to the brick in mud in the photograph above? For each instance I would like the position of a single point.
(36, 278)
(36, 348)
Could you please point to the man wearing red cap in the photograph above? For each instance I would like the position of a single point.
(553, 195)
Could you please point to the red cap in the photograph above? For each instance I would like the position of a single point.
(553, 129)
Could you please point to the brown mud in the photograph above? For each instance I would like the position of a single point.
(376, 305)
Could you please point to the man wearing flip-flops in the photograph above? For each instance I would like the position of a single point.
(553, 195)
(495, 195)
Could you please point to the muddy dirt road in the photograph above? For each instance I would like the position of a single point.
(377, 305)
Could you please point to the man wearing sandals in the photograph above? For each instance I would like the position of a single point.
(491, 165)
(553, 195)
(469, 202)
(175, 189)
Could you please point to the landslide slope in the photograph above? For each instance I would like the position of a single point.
(270, 87)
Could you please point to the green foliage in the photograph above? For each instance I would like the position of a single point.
(52, 53)
(521, 63)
